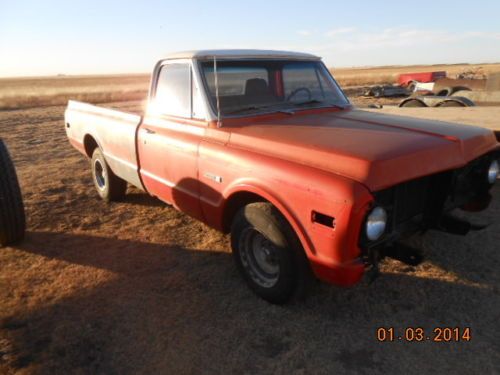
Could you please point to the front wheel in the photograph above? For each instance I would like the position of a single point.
(268, 254)
(109, 186)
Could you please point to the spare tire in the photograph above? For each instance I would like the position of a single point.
(12, 218)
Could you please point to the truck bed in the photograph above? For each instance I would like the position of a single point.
(135, 107)
(114, 131)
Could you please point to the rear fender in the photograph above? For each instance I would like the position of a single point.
(112, 164)
(86, 139)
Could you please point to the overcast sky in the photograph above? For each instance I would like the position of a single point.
(86, 37)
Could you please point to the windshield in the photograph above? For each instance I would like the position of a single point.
(256, 86)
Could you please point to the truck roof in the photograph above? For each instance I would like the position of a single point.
(240, 53)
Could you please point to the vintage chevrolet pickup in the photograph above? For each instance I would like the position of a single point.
(264, 145)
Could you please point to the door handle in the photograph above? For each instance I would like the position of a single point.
(149, 131)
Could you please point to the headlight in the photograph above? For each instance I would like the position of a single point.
(493, 172)
(375, 223)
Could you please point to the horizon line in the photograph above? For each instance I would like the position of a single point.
(360, 67)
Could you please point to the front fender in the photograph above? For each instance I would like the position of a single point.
(333, 252)
(257, 189)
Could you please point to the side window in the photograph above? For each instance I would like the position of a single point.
(173, 90)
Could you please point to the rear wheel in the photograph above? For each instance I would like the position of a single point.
(12, 217)
(268, 254)
(109, 186)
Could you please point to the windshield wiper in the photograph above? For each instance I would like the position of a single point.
(316, 101)
(288, 111)
(255, 107)
(244, 109)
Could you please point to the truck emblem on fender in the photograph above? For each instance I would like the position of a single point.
(213, 177)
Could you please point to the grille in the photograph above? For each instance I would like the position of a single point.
(411, 199)
(420, 203)
(430, 195)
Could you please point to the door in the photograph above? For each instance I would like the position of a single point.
(168, 140)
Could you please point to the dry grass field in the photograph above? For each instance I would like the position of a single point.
(139, 288)
(34, 92)
(18, 93)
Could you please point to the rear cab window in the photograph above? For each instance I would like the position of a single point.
(177, 93)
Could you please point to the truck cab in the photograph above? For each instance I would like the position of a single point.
(197, 98)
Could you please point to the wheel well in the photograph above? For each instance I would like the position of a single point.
(90, 145)
(234, 204)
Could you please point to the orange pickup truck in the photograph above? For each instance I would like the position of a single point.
(265, 145)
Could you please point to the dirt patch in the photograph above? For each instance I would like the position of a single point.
(137, 287)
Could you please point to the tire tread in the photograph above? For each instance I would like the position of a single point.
(12, 215)
(297, 281)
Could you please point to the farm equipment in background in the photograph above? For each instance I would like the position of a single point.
(434, 89)
(450, 86)
(436, 101)
(12, 216)
(409, 80)
(406, 85)
(487, 90)
(386, 91)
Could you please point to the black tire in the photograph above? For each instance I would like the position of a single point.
(109, 186)
(378, 92)
(12, 216)
(456, 89)
(451, 103)
(286, 274)
(413, 103)
(444, 92)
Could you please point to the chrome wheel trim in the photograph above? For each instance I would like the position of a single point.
(100, 175)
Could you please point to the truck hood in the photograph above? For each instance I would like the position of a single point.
(374, 149)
